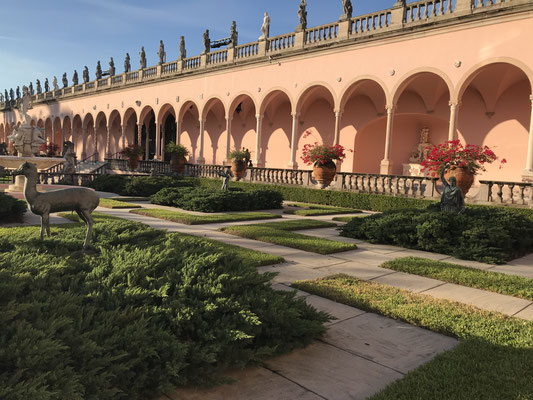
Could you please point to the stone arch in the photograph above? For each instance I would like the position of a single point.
(88, 143)
(408, 78)
(77, 135)
(362, 102)
(189, 127)
(495, 110)
(115, 134)
(243, 126)
(308, 91)
(67, 130)
(148, 131)
(57, 134)
(214, 115)
(100, 128)
(276, 108)
(129, 125)
(167, 121)
(3, 137)
(272, 94)
(48, 130)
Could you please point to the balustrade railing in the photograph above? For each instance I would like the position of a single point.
(247, 50)
(192, 63)
(282, 42)
(150, 72)
(217, 57)
(132, 76)
(322, 33)
(396, 185)
(520, 193)
(89, 85)
(426, 9)
(78, 88)
(102, 82)
(117, 79)
(151, 166)
(370, 22)
(169, 68)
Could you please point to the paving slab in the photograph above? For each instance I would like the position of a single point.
(313, 260)
(521, 268)
(356, 269)
(380, 248)
(397, 345)
(365, 257)
(281, 250)
(320, 232)
(286, 288)
(424, 254)
(414, 283)
(340, 312)
(332, 373)
(288, 273)
(480, 298)
(526, 313)
(251, 383)
(467, 263)
(348, 240)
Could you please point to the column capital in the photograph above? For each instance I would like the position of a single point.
(257, 116)
(338, 113)
(390, 108)
(295, 114)
(454, 103)
(531, 98)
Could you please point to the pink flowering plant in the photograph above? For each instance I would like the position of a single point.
(471, 156)
(321, 153)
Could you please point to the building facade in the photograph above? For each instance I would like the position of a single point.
(372, 83)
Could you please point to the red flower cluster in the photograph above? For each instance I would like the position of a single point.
(453, 152)
(321, 153)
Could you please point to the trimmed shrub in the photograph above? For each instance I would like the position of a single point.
(211, 200)
(146, 312)
(146, 186)
(492, 235)
(11, 209)
(110, 183)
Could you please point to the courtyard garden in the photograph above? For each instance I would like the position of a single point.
(146, 311)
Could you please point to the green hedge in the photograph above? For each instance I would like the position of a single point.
(145, 312)
(493, 235)
(211, 200)
(11, 209)
(142, 186)
(362, 201)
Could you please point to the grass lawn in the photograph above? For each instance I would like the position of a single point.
(308, 210)
(511, 285)
(190, 219)
(130, 198)
(494, 359)
(110, 203)
(143, 312)
(280, 233)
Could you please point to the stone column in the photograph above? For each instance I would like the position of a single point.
(386, 164)
(108, 142)
(338, 116)
(529, 164)
(72, 137)
(201, 159)
(454, 106)
(62, 138)
(157, 141)
(178, 133)
(147, 143)
(95, 141)
(228, 138)
(123, 136)
(163, 133)
(293, 164)
(83, 140)
(258, 130)
(139, 134)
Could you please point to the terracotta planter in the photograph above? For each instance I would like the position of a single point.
(464, 177)
(324, 173)
(177, 164)
(238, 168)
(133, 163)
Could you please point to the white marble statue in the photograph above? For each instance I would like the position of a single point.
(265, 28)
(422, 149)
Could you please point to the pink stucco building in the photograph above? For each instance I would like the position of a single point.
(462, 69)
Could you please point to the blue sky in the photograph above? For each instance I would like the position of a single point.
(40, 39)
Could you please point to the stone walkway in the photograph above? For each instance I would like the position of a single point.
(362, 352)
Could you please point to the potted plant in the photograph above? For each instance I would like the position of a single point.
(239, 161)
(464, 161)
(177, 153)
(133, 153)
(321, 156)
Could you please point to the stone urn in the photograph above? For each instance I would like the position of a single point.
(177, 163)
(324, 173)
(464, 177)
(238, 168)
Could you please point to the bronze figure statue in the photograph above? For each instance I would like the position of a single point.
(452, 199)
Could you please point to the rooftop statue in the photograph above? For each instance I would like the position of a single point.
(265, 28)
(207, 42)
(234, 35)
(111, 67)
(18, 92)
(85, 74)
(347, 9)
(1, 97)
(75, 80)
(38, 86)
(6, 95)
(183, 51)
(12, 94)
(46, 85)
(65, 80)
(452, 199)
(161, 53)
(302, 15)
(142, 58)
(30, 88)
(54, 83)
(127, 63)
(98, 70)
